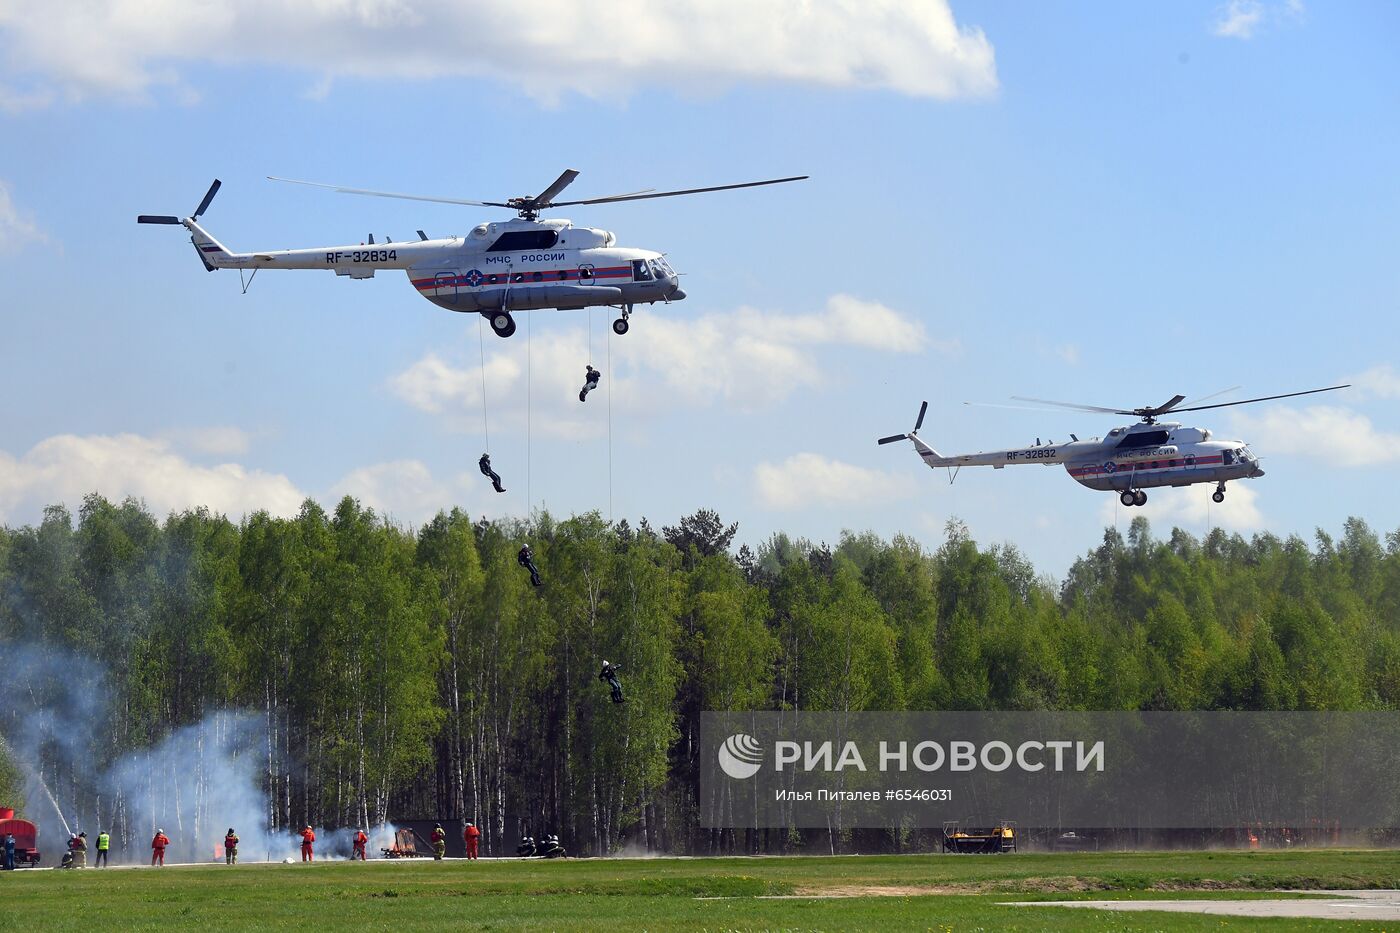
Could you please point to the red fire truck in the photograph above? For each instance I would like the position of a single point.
(26, 837)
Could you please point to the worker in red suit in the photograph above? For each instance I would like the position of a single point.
(439, 842)
(470, 835)
(158, 844)
(361, 840)
(307, 838)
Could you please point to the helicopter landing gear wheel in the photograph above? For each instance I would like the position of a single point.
(1140, 497)
(620, 325)
(1128, 497)
(503, 324)
(1219, 494)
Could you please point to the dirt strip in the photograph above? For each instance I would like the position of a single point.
(1338, 905)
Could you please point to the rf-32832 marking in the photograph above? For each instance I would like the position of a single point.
(1128, 460)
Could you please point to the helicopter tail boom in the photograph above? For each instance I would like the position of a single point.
(211, 252)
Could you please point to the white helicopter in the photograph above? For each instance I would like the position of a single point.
(515, 265)
(1128, 460)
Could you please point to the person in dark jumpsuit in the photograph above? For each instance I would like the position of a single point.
(590, 382)
(609, 674)
(486, 471)
(526, 559)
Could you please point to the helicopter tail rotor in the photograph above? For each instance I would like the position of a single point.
(176, 221)
(918, 423)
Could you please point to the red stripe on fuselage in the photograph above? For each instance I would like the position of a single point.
(547, 277)
(1142, 465)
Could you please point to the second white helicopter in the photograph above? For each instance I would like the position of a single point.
(1128, 460)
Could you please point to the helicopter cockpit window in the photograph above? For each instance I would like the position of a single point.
(662, 267)
(1144, 439)
(1227, 457)
(641, 272)
(516, 240)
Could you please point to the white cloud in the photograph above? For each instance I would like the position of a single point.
(746, 360)
(17, 229)
(595, 47)
(1191, 508)
(1238, 19)
(66, 467)
(1337, 436)
(220, 441)
(1381, 381)
(1242, 19)
(807, 479)
(402, 489)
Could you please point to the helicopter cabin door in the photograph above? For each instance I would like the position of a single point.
(445, 286)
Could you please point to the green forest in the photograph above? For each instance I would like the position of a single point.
(414, 673)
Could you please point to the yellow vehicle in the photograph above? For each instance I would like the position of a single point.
(1000, 838)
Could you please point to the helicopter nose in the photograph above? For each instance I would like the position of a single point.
(677, 294)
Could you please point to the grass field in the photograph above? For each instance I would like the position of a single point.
(882, 892)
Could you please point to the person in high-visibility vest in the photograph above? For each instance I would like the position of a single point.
(307, 838)
(470, 836)
(361, 840)
(439, 842)
(104, 842)
(231, 847)
(158, 844)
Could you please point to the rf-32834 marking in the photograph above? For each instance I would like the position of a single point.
(529, 263)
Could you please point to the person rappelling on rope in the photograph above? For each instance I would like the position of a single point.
(590, 382)
(526, 559)
(485, 464)
(609, 674)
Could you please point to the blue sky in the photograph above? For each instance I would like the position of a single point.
(1104, 203)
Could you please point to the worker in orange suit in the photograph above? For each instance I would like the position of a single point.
(158, 844)
(470, 835)
(361, 840)
(307, 838)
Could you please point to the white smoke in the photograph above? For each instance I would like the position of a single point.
(194, 784)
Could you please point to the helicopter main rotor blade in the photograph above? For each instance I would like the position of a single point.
(1168, 405)
(613, 199)
(1215, 394)
(1042, 401)
(390, 194)
(209, 196)
(565, 179)
(1266, 398)
(1010, 407)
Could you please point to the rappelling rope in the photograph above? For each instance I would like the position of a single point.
(529, 332)
(481, 345)
(610, 439)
